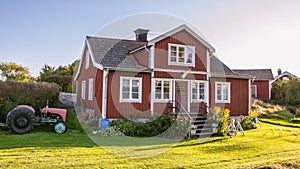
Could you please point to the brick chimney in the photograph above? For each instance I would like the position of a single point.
(279, 71)
(141, 35)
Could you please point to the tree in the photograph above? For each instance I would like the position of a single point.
(286, 92)
(13, 71)
(62, 75)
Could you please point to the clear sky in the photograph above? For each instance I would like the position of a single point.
(246, 34)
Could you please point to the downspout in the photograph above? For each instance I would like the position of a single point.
(104, 100)
(151, 83)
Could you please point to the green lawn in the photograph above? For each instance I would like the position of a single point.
(269, 145)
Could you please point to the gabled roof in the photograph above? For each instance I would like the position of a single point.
(219, 69)
(178, 29)
(259, 74)
(114, 53)
(286, 73)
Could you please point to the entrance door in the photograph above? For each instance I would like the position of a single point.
(182, 94)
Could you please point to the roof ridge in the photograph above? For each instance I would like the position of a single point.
(99, 37)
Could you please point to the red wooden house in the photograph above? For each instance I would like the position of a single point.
(282, 76)
(120, 78)
(260, 86)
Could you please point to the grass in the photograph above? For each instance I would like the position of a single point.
(283, 118)
(271, 145)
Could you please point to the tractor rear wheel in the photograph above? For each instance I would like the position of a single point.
(20, 120)
(60, 127)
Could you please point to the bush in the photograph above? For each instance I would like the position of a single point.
(153, 128)
(221, 117)
(248, 122)
(298, 112)
(291, 109)
(14, 93)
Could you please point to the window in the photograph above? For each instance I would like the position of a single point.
(87, 60)
(91, 89)
(130, 89)
(181, 55)
(83, 90)
(198, 91)
(222, 92)
(253, 91)
(162, 90)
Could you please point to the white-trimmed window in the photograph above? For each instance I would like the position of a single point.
(254, 91)
(83, 86)
(183, 55)
(90, 96)
(222, 91)
(87, 60)
(162, 90)
(198, 91)
(130, 89)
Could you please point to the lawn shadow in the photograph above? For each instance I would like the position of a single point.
(202, 141)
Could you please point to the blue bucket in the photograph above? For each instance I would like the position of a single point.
(104, 124)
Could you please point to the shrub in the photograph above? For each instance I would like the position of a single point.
(298, 112)
(248, 122)
(291, 109)
(153, 128)
(14, 93)
(221, 117)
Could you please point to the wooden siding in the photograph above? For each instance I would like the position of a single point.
(182, 37)
(99, 89)
(160, 108)
(116, 109)
(86, 74)
(239, 96)
(178, 75)
(142, 57)
(263, 88)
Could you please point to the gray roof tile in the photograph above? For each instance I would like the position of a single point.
(114, 52)
(218, 68)
(259, 74)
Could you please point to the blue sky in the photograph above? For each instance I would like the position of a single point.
(246, 34)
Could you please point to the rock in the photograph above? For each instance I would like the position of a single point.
(67, 99)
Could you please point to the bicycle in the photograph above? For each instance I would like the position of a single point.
(234, 127)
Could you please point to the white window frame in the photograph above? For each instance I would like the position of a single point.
(198, 100)
(222, 94)
(139, 100)
(186, 47)
(83, 89)
(87, 60)
(255, 89)
(162, 91)
(91, 90)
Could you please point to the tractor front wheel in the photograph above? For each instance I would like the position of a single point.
(60, 127)
(20, 120)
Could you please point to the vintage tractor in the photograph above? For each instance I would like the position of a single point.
(21, 119)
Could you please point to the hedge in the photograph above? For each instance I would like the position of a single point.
(14, 93)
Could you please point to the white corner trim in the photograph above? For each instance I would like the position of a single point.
(250, 95)
(151, 59)
(152, 94)
(207, 62)
(104, 92)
